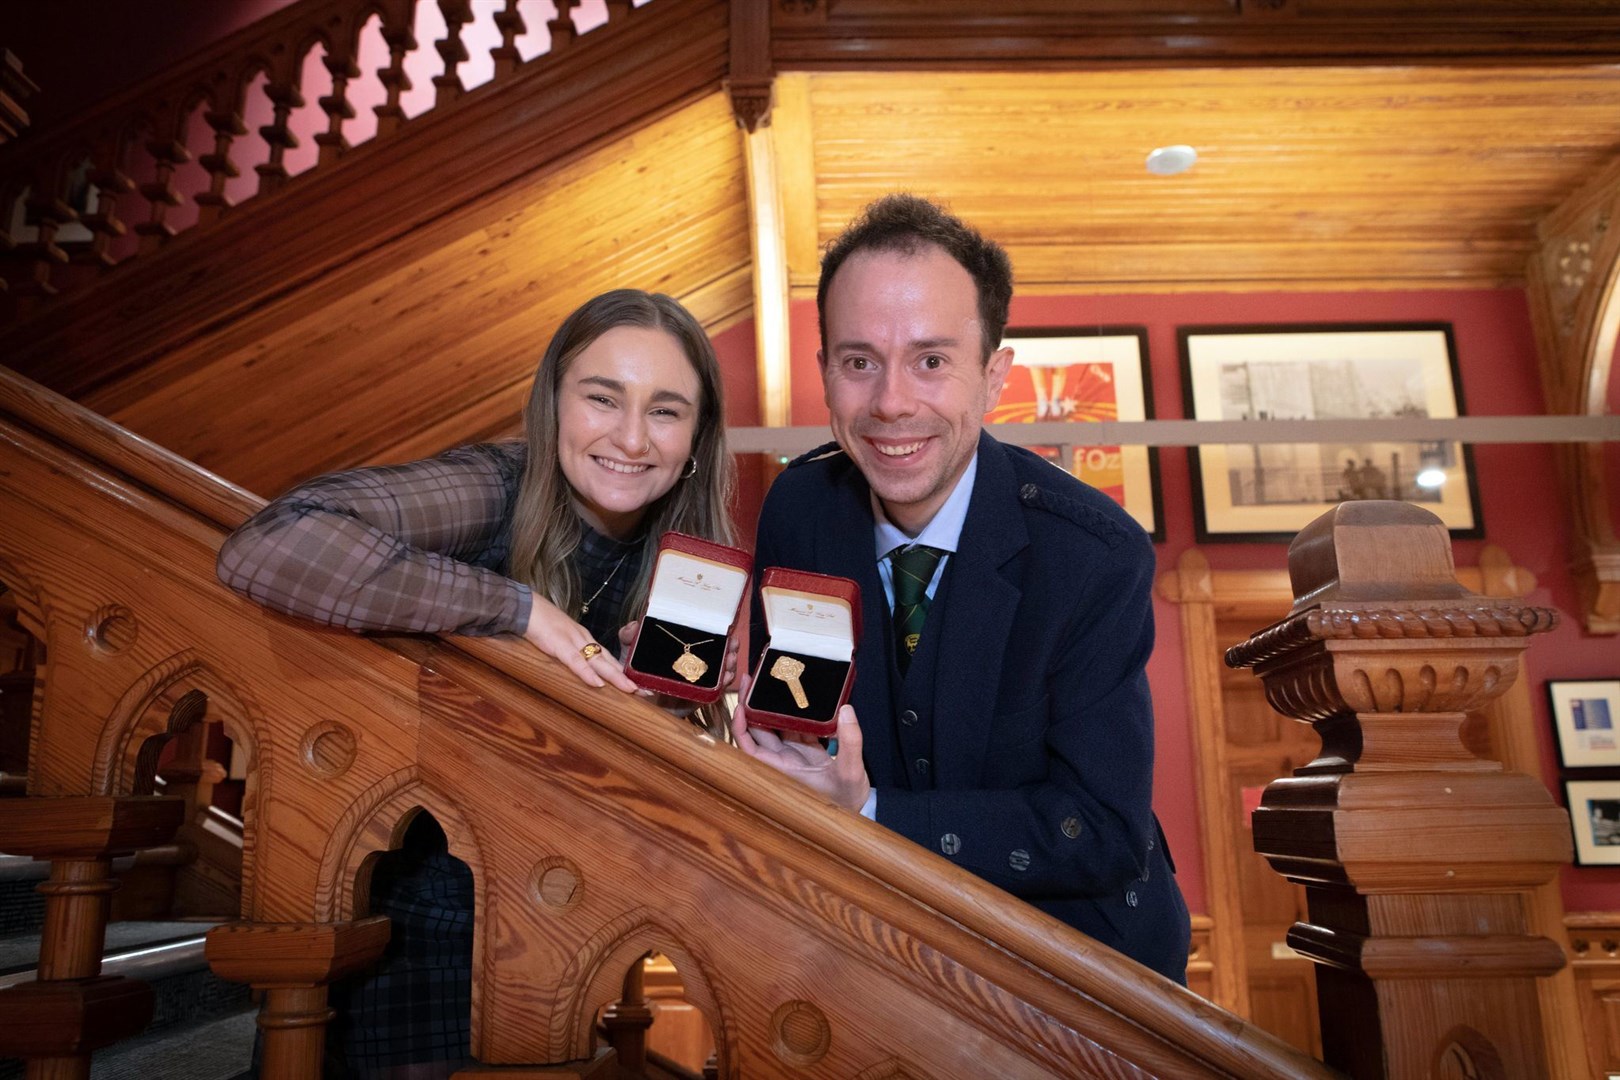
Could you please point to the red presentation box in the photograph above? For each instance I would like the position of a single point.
(813, 623)
(696, 594)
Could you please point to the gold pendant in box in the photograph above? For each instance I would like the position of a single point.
(689, 666)
(788, 669)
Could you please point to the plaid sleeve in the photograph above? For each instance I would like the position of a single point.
(418, 547)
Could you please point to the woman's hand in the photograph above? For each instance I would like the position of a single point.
(558, 636)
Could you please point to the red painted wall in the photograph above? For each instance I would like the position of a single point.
(1520, 499)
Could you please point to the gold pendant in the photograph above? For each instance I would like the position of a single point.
(690, 666)
(788, 669)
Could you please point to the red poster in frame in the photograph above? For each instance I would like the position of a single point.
(1086, 375)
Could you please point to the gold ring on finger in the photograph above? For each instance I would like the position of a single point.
(590, 650)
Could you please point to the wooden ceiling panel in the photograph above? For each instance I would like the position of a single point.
(1418, 176)
(441, 348)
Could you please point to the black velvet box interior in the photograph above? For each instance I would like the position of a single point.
(823, 682)
(657, 651)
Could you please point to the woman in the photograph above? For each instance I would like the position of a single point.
(548, 538)
(552, 539)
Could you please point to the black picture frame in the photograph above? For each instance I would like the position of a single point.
(1387, 369)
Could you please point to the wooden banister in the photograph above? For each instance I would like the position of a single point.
(204, 107)
(596, 827)
(1415, 854)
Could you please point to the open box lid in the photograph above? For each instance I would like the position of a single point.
(811, 614)
(698, 583)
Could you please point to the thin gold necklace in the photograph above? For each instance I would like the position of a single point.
(586, 606)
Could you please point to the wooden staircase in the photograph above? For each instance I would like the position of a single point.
(597, 829)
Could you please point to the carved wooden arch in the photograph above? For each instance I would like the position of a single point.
(376, 822)
(143, 711)
(147, 708)
(1574, 289)
(31, 613)
(891, 1069)
(595, 978)
(31, 609)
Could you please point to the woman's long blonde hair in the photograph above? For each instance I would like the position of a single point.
(546, 529)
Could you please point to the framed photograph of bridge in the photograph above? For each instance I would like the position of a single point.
(1594, 815)
(1267, 492)
(1084, 374)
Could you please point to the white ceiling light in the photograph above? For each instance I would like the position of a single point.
(1170, 160)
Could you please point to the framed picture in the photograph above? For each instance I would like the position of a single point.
(1269, 491)
(1585, 713)
(1096, 373)
(1594, 815)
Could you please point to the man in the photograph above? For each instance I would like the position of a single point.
(1000, 714)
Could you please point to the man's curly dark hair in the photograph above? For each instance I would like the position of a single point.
(907, 224)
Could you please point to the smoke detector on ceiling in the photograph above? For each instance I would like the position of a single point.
(1170, 160)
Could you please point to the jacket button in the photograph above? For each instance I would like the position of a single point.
(908, 718)
(950, 843)
(1130, 897)
(921, 766)
(1019, 859)
(1071, 827)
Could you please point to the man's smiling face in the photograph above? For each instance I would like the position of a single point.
(905, 378)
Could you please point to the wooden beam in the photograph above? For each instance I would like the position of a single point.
(792, 121)
(765, 228)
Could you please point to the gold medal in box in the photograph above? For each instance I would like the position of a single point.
(806, 672)
(696, 594)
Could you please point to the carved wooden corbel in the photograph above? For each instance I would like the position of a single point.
(751, 76)
(1574, 289)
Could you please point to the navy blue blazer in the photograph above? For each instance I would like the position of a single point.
(1020, 743)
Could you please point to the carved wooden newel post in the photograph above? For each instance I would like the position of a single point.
(1410, 847)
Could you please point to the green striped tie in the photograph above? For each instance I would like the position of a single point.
(913, 569)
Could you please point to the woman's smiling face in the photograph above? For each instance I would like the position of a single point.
(627, 414)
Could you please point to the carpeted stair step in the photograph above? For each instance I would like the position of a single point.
(22, 908)
(201, 1014)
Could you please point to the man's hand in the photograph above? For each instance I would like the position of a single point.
(841, 776)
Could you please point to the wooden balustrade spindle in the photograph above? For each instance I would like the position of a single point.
(628, 1019)
(457, 13)
(398, 33)
(112, 184)
(294, 963)
(619, 9)
(1412, 850)
(228, 126)
(509, 21)
(563, 31)
(56, 1021)
(340, 63)
(77, 899)
(51, 212)
(168, 153)
(283, 90)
